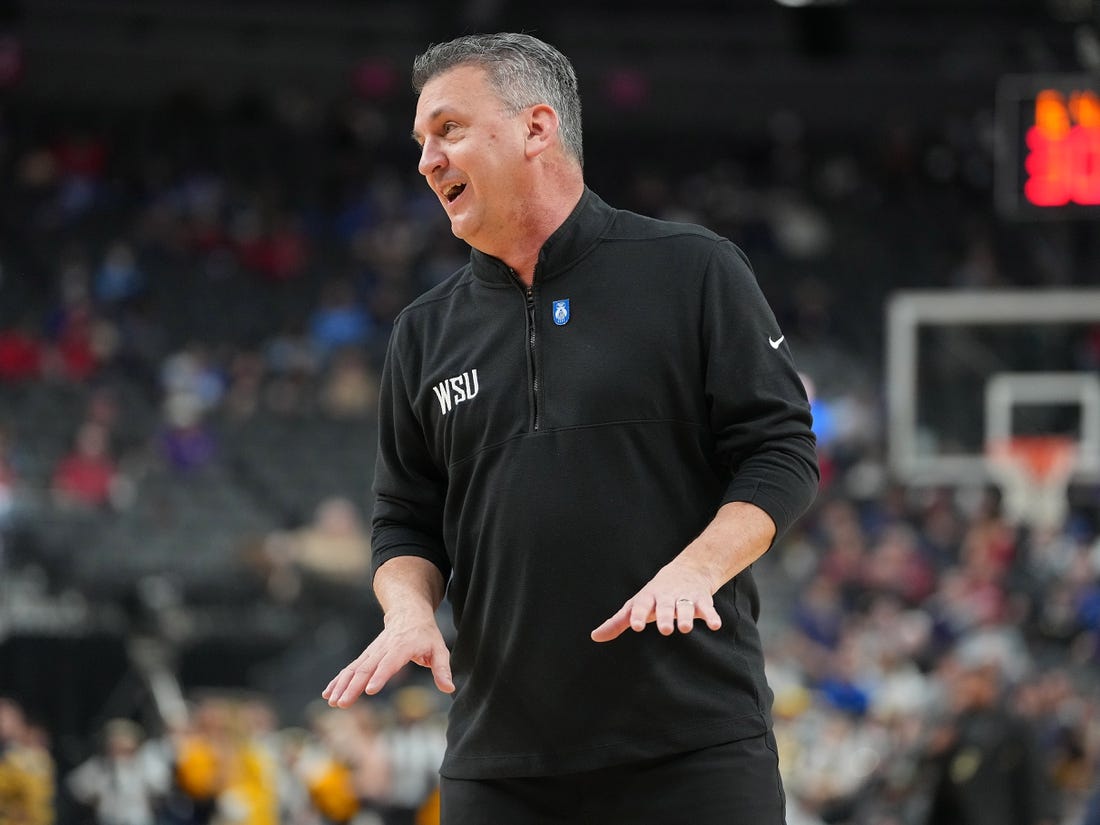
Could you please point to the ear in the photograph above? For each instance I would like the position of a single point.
(542, 129)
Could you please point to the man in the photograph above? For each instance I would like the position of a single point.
(987, 763)
(599, 407)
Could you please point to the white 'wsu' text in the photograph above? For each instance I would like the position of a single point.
(453, 391)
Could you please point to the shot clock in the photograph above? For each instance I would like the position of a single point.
(1049, 147)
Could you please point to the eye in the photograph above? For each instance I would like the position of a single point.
(449, 127)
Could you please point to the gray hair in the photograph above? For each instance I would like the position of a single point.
(522, 70)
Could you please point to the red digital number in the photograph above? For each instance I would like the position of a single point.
(1047, 167)
(1084, 165)
(1063, 161)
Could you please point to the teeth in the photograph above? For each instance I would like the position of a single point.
(453, 191)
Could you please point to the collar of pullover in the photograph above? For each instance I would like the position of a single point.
(584, 226)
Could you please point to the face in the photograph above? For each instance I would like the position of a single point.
(474, 157)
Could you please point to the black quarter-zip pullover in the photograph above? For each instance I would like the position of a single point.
(550, 448)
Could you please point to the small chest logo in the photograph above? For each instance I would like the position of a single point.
(561, 312)
(454, 391)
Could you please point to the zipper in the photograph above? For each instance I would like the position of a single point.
(532, 361)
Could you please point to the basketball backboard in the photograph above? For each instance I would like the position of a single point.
(964, 368)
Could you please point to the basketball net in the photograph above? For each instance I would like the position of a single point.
(1033, 472)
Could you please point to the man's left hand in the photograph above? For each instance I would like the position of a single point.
(674, 599)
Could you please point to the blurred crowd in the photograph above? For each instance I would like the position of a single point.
(185, 271)
(939, 664)
(228, 761)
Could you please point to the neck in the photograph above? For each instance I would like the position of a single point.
(525, 272)
(539, 223)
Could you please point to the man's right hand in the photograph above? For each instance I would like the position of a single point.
(404, 640)
(410, 590)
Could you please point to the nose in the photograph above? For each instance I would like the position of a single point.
(431, 157)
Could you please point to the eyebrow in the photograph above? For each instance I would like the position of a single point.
(433, 115)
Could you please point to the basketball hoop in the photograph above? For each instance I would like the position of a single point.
(1033, 472)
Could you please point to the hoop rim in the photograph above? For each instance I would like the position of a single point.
(1048, 458)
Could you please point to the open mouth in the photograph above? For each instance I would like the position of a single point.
(452, 191)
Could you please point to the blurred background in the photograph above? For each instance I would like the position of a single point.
(209, 217)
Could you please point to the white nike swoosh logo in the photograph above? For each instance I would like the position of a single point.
(775, 344)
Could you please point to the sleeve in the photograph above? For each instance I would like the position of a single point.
(85, 783)
(759, 414)
(409, 486)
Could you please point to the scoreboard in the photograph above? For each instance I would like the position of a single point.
(1048, 130)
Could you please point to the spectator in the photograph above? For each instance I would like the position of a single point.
(339, 320)
(26, 771)
(123, 784)
(118, 278)
(293, 364)
(186, 442)
(353, 764)
(323, 565)
(21, 352)
(286, 250)
(989, 769)
(415, 742)
(87, 476)
(247, 372)
(222, 770)
(82, 340)
(349, 389)
(81, 160)
(9, 482)
(329, 788)
(192, 372)
(274, 248)
(820, 614)
(896, 566)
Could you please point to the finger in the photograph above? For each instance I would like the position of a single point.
(641, 612)
(340, 682)
(350, 687)
(388, 665)
(666, 616)
(441, 669)
(338, 685)
(327, 692)
(685, 615)
(613, 627)
(708, 614)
